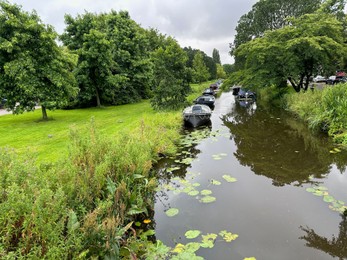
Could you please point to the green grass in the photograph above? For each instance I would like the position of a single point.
(50, 139)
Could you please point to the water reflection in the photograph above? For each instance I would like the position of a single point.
(275, 145)
(336, 246)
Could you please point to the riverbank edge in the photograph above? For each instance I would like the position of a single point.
(97, 203)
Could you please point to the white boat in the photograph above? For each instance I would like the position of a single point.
(197, 115)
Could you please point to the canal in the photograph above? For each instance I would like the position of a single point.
(255, 183)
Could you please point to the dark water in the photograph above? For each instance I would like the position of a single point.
(274, 159)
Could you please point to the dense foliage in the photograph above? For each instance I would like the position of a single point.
(171, 77)
(324, 110)
(114, 66)
(270, 15)
(33, 68)
(312, 44)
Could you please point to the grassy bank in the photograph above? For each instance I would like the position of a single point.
(49, 140)
(324, 110)
(80, 185)
(86, 203)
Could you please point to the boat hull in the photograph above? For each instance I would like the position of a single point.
(197, 120)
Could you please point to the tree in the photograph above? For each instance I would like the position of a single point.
(171, 85)
(228, 68)
(215, 56)
(33, 68)
(220, 72)
(114, 65)
(200, 71)
(312, 43)
(270, 15)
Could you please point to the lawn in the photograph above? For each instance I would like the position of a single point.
(49, 140)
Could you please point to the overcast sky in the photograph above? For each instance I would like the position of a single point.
(201, 24)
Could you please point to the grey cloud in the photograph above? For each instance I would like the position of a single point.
(204, 24)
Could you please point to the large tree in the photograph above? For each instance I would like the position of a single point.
(312, 43)
(215, 56)
(33, 68)
(200, 71)
(270, 15)
(114, 65)
(171, 78)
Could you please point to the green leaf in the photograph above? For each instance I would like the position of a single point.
(172, 212)
(193, 193)
(328, 198)
(228, 178)
(250, 258)
(310, 190)
(192, 247)
(205, 192)
(207, 199)
(215, 182)
(191, 234)
(228, 236)
(208, 240)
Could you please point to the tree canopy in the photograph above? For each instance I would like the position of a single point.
(33, 68)
(270, 15)
(114, 64)
(312, 43)
(171, 76)
(215, 56)
(200, 70)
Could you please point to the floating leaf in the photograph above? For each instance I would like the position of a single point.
(337, 150)
(173, 169)
(193, 193)
(228, 236)
(310, 190)
(205, 192)
(250, 258)
(179, 248)
(207, 199)
(195, 184)
(208, 240)
(228, 178)
(192, 247)
(190, 234)
(172, 212)
(138, 223)
(223, 154)
(215, 182)
(328, 198)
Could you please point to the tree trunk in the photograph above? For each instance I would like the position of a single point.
(98, 103)
(44, 113)
(294, 85)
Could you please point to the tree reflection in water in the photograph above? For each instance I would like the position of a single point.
(336, 246)
(277, 146)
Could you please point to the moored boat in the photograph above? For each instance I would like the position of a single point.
(197, 115)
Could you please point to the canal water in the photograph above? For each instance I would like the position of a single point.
(255, 183)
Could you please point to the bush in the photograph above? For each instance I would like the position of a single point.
(325, 110)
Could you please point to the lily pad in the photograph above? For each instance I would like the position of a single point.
(208, 240)
(179, 248)
(228, 236)
(310, 190)
(193, 193)
(207, 199)
(328, 198)
(172, 212)
(191, 234)
(250, 258)
(228, 178)
(205, 192)
(215, 182)
(192, 247)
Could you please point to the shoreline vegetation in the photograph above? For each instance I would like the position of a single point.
(91, 196)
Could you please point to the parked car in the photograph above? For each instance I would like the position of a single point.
(319, 79)
(214, 86)
(331, 80)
